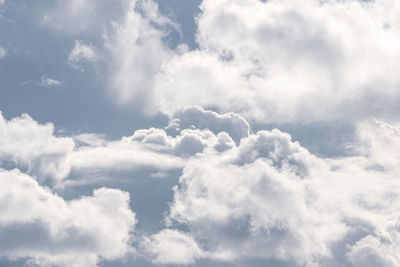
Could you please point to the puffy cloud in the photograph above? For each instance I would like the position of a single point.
(46, 229)
(280, 61)
(380, 142)
(171, 247)
(272, 61)
(254, 202)
(371, 252)
(137, 53)
(82, 53)
(262, 197)
(235, 125)
(269, 198)
(33, 146)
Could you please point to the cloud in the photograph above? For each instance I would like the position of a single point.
(171, 247)
(36, 149)
(82, 53)
(3, 52)
(269, 61)
(33, 146)
(83, 16)
(262, 197)
(49, 82)
(272, 61)
(269, 198)
(137, 54)
(46, 229)
(235, 125)
(280, 61)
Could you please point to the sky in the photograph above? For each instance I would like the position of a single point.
(199, 133)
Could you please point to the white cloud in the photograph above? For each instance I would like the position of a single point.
(49, 82)
(270, 61)
(269, 198)
(235, 125)
(82, 53)
(171, 247)
(48, 230)
(138, 52)
(3, 51)
(273, 61)
(262, 197)
(33, 146)
(36, 149)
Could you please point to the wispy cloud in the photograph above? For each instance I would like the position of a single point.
(44, 82)
(3, 51)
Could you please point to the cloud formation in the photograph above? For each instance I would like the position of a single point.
(240, 193)
(270, 61)
(263, 197)
(42, 226)
(269, 198)
(32, 146)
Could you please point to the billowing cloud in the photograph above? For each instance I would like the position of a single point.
(41, 226)
(263, 197)
(33, 146)
(232, 123)
(36, 149)
(171, 247)
(272, 61)
(269, 198)
(138, 52)
(279, 61)
(243, 194)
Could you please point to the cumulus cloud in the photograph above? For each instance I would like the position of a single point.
(82, 53)
(138, 52)
(33, 146)
(36, 149)
(263, 197)
(269, 198)
(242, 194)
(232, 123)
(280, 61)
(48, 230)
(271, 61)
(171, 247)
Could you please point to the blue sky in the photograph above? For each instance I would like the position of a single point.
(200, 133)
